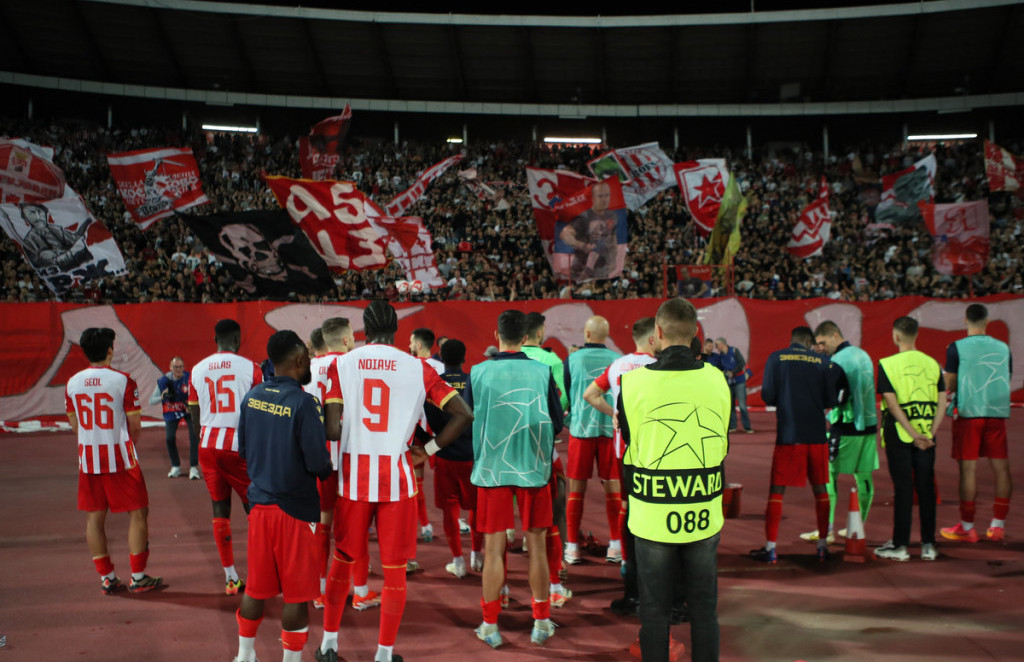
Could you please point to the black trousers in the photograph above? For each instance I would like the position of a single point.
(697, 566)
(171, 430)
(912, 470)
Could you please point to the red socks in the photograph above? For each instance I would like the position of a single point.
(821, 508)
(492, 609)
(392, 604)
(554, 548)
(451, 529)
(967, 511)
(361, 571)
(138, 561)
(1000, 508)
(104, 565)
(773, 515)
(541, 610)
(337, 591)
(421, 502)
(294, 641)
(613, 508)
(246, 628)
(222, 536)
(573, 516)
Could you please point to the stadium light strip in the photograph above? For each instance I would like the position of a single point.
(456, 141)
(943, 136)
(554, 140)
(234, 129)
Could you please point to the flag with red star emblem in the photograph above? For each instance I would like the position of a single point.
(961, 235)
(813, 229)
(1004, 170)
(703, 185)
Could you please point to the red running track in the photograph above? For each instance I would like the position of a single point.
(965, 606)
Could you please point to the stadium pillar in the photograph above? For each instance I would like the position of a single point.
(750, 143)
(396, 133)
(675, 138)
(991, 131)
(30, 107)
(824, 141)
(465, 134)
(184, 120)
(604, 135)
(110, 116)
(533, 133)
(906, 132)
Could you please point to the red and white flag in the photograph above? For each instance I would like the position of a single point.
(409, 242)
(591, 233)
(547, 188)
(703, 185)
(961, 236)
(27, 172)
(645, 170)
(903, 190)
(155, 183)
(62, 241)
(1004, 170)
(320, 151)
(409, 196)
(333, 216)
(483, 190)
(813, 229)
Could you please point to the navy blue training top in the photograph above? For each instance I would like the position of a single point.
(801, 384)
(460, 450)
(281, 435)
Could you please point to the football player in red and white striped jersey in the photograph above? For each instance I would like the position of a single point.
(103, 407)
(421, 342)
(218, 384)
(384, 389)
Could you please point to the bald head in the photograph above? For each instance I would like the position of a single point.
(596, 329)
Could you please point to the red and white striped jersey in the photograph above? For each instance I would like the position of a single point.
(319, 387)
(384, 389)
(218, 384)
(101, 399)
(435, 364)
(610, 380)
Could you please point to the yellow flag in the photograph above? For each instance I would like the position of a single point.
(725, 238)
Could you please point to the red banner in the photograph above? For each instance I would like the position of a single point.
(155, 183)
(320, 151)
(813, 229)
(703, 185)
(27, 172)
(409, 196)
(591, 233)
(548, 188)
(40, 351)
(1004, 170)
(410, 243)
(333, 216)
(960, 231)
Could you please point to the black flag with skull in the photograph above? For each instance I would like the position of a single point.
(264, 251)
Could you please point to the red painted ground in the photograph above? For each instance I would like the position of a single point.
(965, 606)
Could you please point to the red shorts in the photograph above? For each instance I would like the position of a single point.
(582, 454)
(494, 511)
(558, 469)
(396, 522)
(794, 464)
(328, 492)
(451, 484)
(118, 492)
(979, 437)
(283, 556)
(224, 471)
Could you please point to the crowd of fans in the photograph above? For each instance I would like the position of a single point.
(487, 254)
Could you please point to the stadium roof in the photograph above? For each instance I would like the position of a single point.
(933, 55)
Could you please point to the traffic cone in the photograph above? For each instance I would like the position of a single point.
(856, 545)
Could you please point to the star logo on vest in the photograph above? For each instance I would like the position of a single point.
(699, 427)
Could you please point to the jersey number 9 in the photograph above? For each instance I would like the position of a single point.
(377, 403)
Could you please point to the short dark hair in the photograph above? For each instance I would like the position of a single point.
(316, 340)
(512, 326)
(534, 323)
(226, 330)
(282, 345)
(333, 329)
(380, 319)
(643, 327)
(804, 336)
(827, 328)
(906, 326)
(696, 346)
(425, 336)
(976, 312)
(678, 319)
(453, 352)
(96, 342)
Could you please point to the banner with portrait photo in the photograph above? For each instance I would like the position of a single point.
(591, 233)
(62, 241)
(264, 251)
(155, 183)
(902, 192)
